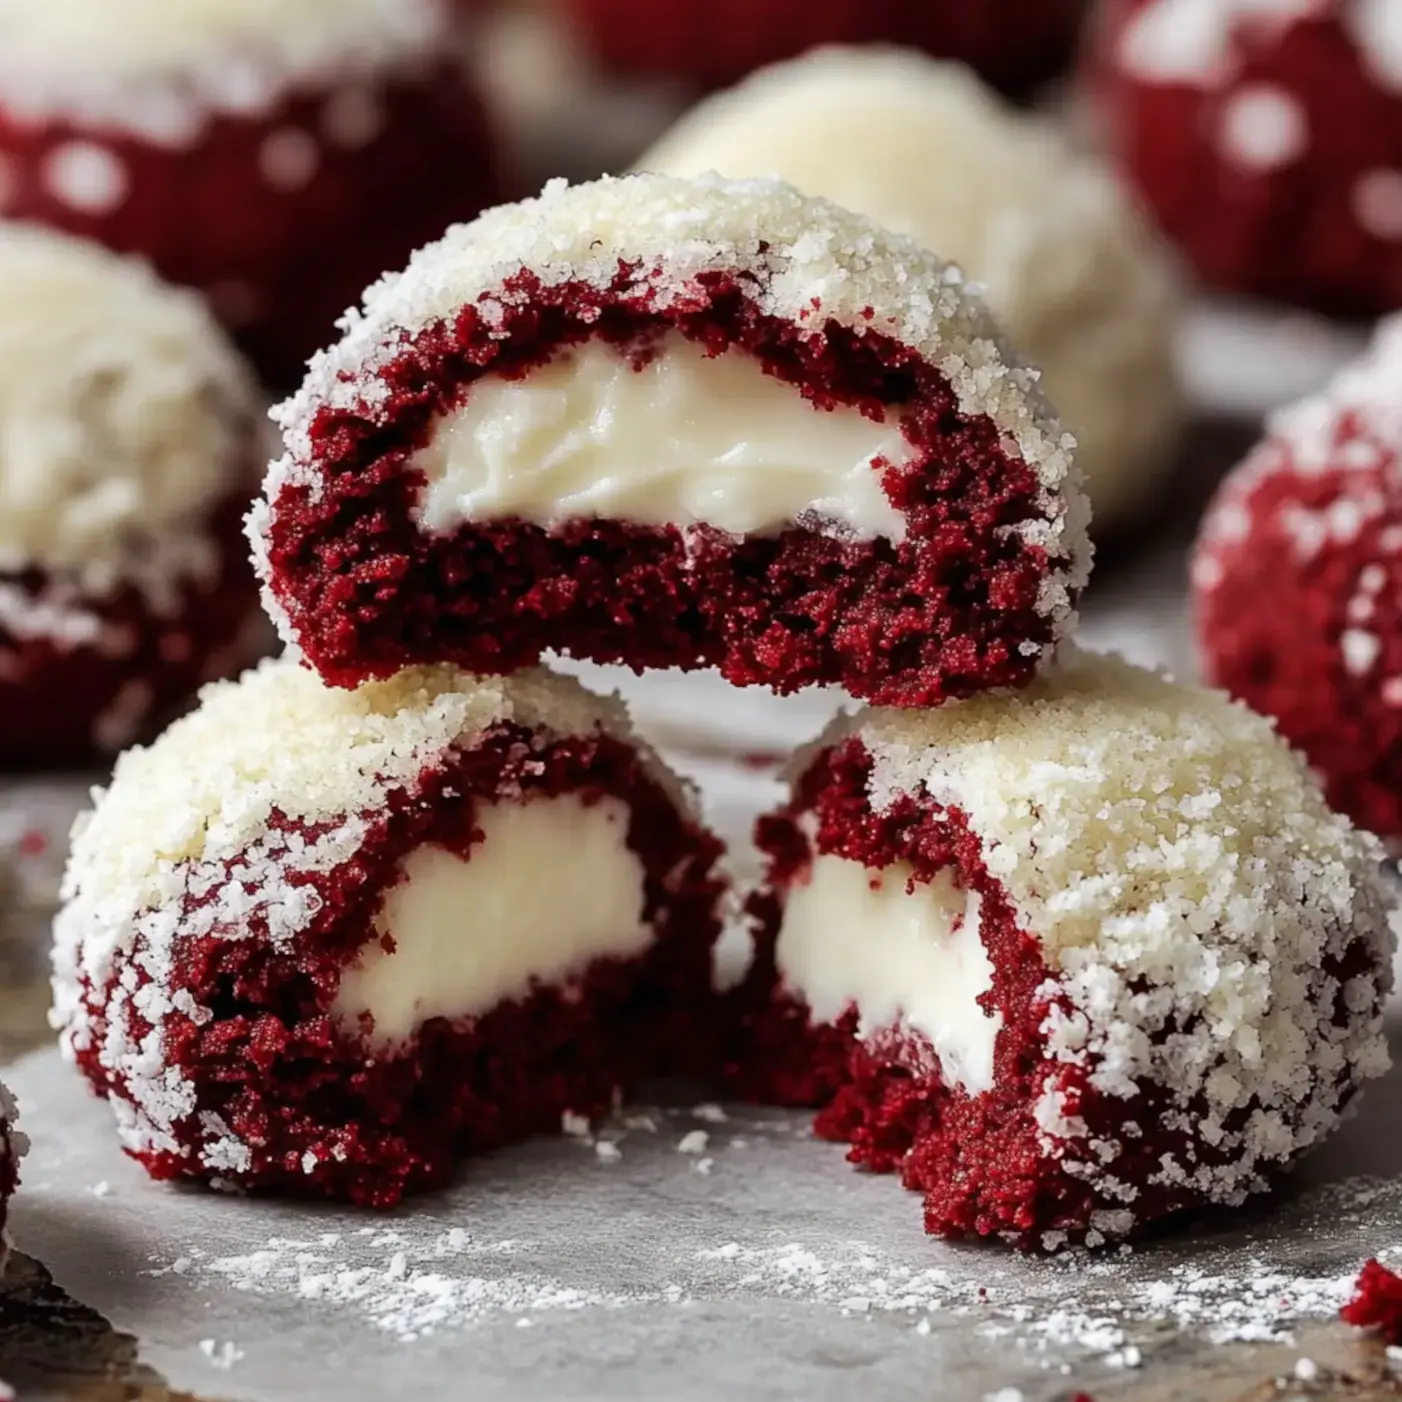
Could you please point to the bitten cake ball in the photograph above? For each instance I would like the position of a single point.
(1266, 136)
(1117, 957)
(1076, 280)
(1297, 583)
(274, 154)
(676, 423)
(324, 941)
(129, 450)
(1013, 43)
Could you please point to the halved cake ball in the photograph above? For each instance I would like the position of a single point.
(274, 155)
(325, 941)
(12, 1148)
(1266, 136)
(676, 423)
(129, 449)
(1297, 583)
(1068, 960)
(1077, 281)
(1013, 43)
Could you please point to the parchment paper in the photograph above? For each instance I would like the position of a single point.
(756, 1267)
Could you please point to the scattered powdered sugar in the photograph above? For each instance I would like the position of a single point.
(409, 1292)
(223, 1355)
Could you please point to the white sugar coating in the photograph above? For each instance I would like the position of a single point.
(807, 262)
(1187, 884)
(125, 416)
(1350, 428)
(1194, 41)
(159, 69)
(1369, 391)
(188, 816)
(1078, 282)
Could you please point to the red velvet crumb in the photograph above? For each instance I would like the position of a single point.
(1377, 1302)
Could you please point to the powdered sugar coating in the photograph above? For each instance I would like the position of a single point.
(125, 418)
(1076, 279)
(158, 70)
(808, 261)
(179, 846)
(1189, 889)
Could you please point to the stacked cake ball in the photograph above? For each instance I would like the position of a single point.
(1067, 945)
(273, 155)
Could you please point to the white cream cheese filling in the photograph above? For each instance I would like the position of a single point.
(855, 937)
(552, 887)
(685, 439)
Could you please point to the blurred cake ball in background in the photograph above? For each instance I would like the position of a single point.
(1297, 583)
(707, 43)
(1081, 288)
(1266, 136)
(275, 154)
(129, 446)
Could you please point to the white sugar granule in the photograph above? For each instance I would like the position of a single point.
(223, 1355)
(693, 1143)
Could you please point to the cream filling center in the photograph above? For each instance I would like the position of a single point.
(853, 936)
(686, 439)
(551, 888)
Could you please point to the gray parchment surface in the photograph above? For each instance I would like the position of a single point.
(758, 1266)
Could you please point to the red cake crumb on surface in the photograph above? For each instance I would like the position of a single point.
(209, 1023)
(1297, 584)
(1267, 141)
(1104, 1109)
(1013, 43)
(278, 193)
(1376, 1302)
(974, 595)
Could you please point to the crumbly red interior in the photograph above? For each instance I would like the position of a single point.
(280, 263)
(942, 614)
(981, 1160)
(52, 695)
(1012, 43)
(1270, 632)
(289, 1082)
(1376, 1302)
(1290, 232)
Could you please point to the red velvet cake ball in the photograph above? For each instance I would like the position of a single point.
(128, 451)
(1266, 136)
(1297, 583)
(326, 941)
(1013, 43)
(275, 155)
(12, 1148)
(1117, 957)
(676, 423)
